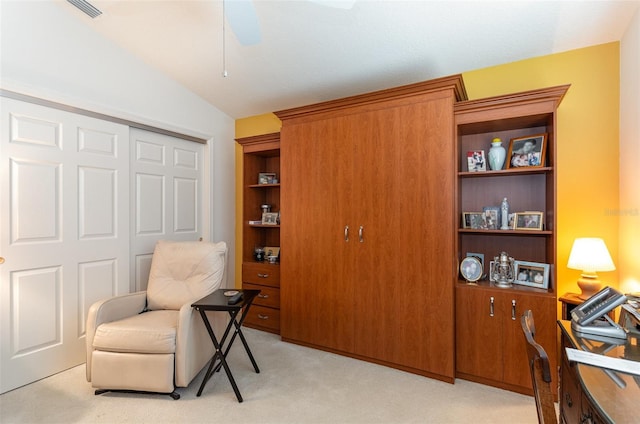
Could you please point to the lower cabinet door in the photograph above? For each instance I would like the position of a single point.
(478, 334)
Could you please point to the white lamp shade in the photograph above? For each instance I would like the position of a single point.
(590, 255)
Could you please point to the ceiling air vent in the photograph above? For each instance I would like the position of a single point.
(86, 7)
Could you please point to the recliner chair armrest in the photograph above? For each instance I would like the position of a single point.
(111, 309)
(193, 344)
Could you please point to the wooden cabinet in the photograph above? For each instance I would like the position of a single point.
(491, 349)
(261, 154)
(368, 224)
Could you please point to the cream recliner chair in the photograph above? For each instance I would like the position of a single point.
(154, 341)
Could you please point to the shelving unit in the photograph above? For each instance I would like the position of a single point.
(260, 154)
(489, 342)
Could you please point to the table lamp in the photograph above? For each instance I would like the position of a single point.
(590, 255)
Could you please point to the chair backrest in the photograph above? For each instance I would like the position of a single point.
(184, 272)
(540, 372)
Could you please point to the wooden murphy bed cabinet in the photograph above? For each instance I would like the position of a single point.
(368, 225)
(260, 154)
(490, 348)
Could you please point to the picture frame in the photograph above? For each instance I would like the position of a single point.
(529, 221)
(270, 218)
(491, 217)
(491, 277)
(527, 151)
(532, 274)
(471, 269)
(473, 220)
(476, 161)
(272, 252)
(267, 178)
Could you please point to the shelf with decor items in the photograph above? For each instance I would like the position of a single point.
(261, 186)
(488, 312)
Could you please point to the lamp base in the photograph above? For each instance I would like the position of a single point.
(589, 285)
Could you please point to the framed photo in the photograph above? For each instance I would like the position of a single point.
(527, 151)
(512, 221)
(476, 161)
(528, 221)
(270, 218)
(491, 277)
(471, 269)
(532, 274)
(491, 217)
(474, 220)
(267, 178)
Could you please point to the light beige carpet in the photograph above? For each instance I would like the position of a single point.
(295, 385)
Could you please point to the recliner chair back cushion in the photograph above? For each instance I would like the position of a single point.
(184, 272)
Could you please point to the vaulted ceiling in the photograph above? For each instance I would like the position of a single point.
(310, 51)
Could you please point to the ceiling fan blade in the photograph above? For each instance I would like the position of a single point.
(243, 19)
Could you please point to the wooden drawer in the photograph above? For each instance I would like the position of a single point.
(570, 393)
(263, 318)
(264, 274)
(269, 296)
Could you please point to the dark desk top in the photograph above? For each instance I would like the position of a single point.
(617, 401)
(217, 301)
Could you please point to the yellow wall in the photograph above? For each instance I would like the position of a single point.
(588, 148)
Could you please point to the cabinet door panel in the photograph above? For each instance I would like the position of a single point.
(314, 196)
(402, 267)
(478, 334)
(516, 370)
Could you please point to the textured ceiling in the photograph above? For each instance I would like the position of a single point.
(310, 52)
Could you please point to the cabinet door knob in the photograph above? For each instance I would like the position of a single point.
(491, 306)
(513, 309)
(346, 233)
(263, 275)
(361, 234)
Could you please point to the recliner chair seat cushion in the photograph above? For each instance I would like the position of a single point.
(149, 332)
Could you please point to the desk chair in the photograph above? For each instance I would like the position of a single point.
(540, 372)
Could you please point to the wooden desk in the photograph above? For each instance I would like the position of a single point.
(588, 392)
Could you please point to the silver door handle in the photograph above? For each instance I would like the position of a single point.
(491, 306)
(513, 309)
(361, 234)
(346, 233)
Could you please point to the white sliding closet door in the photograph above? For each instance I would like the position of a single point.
(166, 197)
(64, 233)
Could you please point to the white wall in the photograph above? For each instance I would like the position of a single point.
(47, 53)
(629, 154)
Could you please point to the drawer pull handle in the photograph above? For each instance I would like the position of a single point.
(491, 307)
(263, 296)
(263, 316)
(263, 275)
